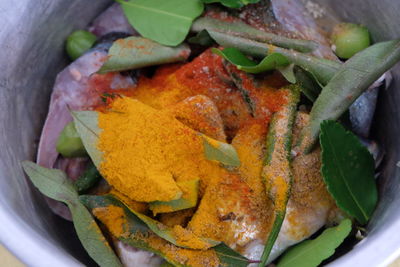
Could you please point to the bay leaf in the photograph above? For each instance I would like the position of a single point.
(348, 171)
(276, 173)
(139, 231)
(55, 184)
(322, 69)
(354, 77)
(221, 152)
(166, 22)
(86, 123)
(271, 62)
(311, 253)
(154, 226)
(238, 28)
(137, 52)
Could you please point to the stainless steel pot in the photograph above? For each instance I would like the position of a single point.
(32, 34)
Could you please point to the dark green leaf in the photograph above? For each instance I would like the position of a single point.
(86, 123)
(311, 253)
(232, 3)
(137, 228)
(322, 69)
(79, 42)
(88, 179)
(278, 154)
(240, 29)
(348, 171)
(166, 22)
(221, 152)
(55, 184)
(351, 80)
(271, 62)
(137, 52)
(50, 182)
(202, 38)
(229, 257)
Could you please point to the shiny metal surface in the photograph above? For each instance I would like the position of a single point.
(31, 42)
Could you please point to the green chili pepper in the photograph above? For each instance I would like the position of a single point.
(69, 143)
(88, 179)
(79, 42)
(349, 39)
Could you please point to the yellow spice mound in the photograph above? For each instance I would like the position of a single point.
(145, 150)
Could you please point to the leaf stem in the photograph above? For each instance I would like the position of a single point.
(276, 227)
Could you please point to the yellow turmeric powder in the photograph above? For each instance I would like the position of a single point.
(146, 150)
(114, 218)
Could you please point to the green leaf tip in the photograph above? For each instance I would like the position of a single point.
(348, 171)
(137, 52)
(311, 253)
(166, 22)
(221, 152)
(55, 184)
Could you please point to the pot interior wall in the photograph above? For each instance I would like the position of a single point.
(31, 39)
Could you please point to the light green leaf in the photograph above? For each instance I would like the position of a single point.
(86, 123)
(138, 230)
(156, 227)
(55, 184)
(166, 22)
(221, 152)
(278, 154)
(50, 182)
(232, 3)
(349, 82)
(238, 28)
(348, 171)
(322, 69)
(137, 52)
(311, 253)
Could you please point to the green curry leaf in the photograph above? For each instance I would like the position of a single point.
(237, 28)
(139, 230)
(322, 69)
(348, 171)
(354, 77)
(166, 22)
(221, 152)
(137, 52)
(278, 154)
(311, 253)
(86, 123)
(156, 227)
(55, 184)
(274, 61)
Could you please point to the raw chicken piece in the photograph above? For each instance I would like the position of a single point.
(75, 88)
(111, 20)
(309, 206)
(133, 257)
